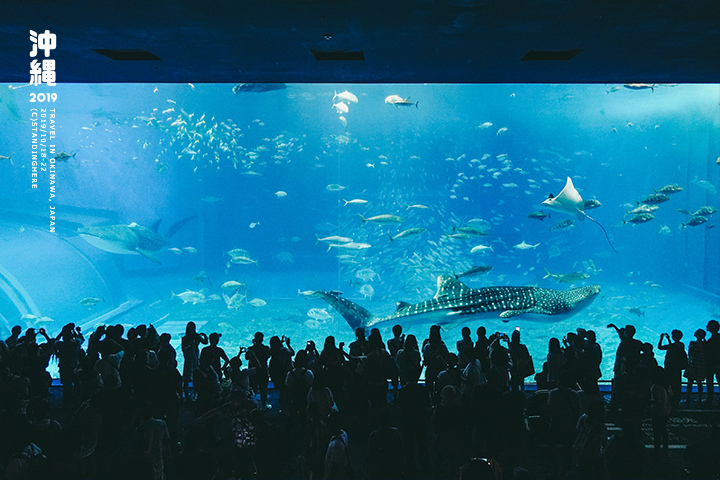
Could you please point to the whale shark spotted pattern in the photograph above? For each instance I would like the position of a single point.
(454, 300)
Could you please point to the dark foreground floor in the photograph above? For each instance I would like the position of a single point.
(691, 424)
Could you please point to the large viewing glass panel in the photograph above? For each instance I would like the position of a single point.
(268, 170)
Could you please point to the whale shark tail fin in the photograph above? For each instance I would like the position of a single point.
(355, 315)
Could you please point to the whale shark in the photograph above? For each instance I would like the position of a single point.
(130, 239)
(455, 303)
(569, 201)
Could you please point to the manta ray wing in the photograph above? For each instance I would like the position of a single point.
(567, 201)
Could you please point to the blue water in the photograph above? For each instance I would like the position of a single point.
(256, 173)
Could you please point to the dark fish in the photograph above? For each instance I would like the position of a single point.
(591, 203)
(695, 221)
(63, 157)
(670, 189)
(563, 224)
(705, 211)
(539, 215)
(258, 87)
(640, 218)
(476, 270)
(654, 199)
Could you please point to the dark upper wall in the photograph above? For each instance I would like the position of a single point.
(400, 40)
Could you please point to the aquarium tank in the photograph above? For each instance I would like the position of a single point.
(306, 210)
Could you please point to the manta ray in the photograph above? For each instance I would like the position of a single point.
(455, 302)
(131, 239)
(569, 201)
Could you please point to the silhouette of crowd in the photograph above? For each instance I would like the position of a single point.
(395, 409)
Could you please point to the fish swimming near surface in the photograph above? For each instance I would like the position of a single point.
(345, 97)
(398, 101)
(640, 86)
(257, 87)
(131, 239)
(569, 201)
(454, 303)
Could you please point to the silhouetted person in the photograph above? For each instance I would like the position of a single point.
(590, 361)
(696, 372)
(257, 356)
(358, 347)
(676, 361)
(555, 363)
(414, 402)
(712, 358)
(397, 342)
(409, 361)
(452, 375)
(625, 455)
(626, 357)
(481, 348)
(380, 367)
(564, 409)
(394, 345)
(660, 408)
(12, 340)
(271, 447)
(337, 459)
(68, 349)
(333, 361)
(465, 348)
(191, 354)
(434, 356)
(591, 437)
(298, 382)
(449, 424)
(522, 365)
(500, 360)
(385, 458)
(478, 469)
(281, 354)
(215, 354)
(152, 446)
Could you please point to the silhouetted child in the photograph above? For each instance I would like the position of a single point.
(660, 407)
(696, 371)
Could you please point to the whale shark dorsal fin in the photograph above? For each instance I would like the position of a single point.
(401, 305)
(567, 201)
(450, 286)
(177, 225)
(154, 227)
